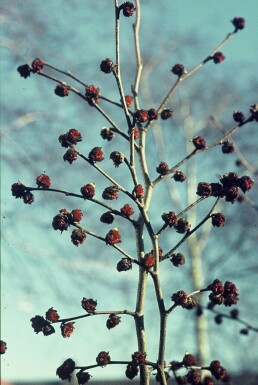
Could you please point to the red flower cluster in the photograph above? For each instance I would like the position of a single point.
(128, 8)
(70, 156)
(83, 377)
(199, 142)
(61, 90)
(35, 67)
(40, 324)
(3, 347)
(107, 66)
(64, 219)
(96, 155)
(103, 358)
(138, 191)
(73, 136)
(19, 190)
(67, 329)
(89, 305)
(181, 299)
(112, 321)
(43, 181)
(88, 190)
(226, 294)
(107, 134)
(218, 371)
(124, 264)
(148, 260)
(177, 259)
(110, 193)
(178, 69)
(138, 358)
(228, 187)
(163, 168)
(127, 210)
(117, 158)
(52, 315)
(113, 237)
(65, 370)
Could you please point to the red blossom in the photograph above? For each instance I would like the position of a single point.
(43, 180)
(61, 90)
(96, 155)
(65, 370)
(67, 329)
(89, 305)
(127, 210)
(52, 315)
(138, 191)
(218, 57)
(78, 236)
(88, 190)
(103, 358)
(113, 237)
(3, 347)
(37, 65)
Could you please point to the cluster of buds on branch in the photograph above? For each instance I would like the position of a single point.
(138, 198)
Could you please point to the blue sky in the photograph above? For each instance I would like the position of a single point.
(40, 268)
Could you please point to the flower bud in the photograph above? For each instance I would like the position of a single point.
(138, 191)
(141, 116)
(103, 359)
(76, 215)
(138, 358)
(127, 210)
(245, 183)
(178, 259)
(107, 134)
(28, 198)
(131, 371)
(199, 142)
(238, 23)
(112, 321)
(61, 90)
(128, 100)
(110, 193)
(179, 176)
(152, 114)
(124, 264)
(73, 136)
(128, 8)
(107, 218)
(3, 347)
(96, 155)
(43, 180)
(70, 156)
(67, 329)
(178, 70)
(117, 158)
(24, 70)
(107, 66)
(113, 237)
(218, 57)
(148, 260)
(52, 315)
(227, 147)
(89, 305)
(37, 65)
(65, 370)
(92, 92)
(163, 168)
(82, 377)
(188, 360)
(169, 218)
(204, 189)
(182, 226)
(166, 113)
(218, 220)
(88, 190)
(238, 116)
(18, 189)
(78, 236)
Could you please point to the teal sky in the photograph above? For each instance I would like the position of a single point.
(40, 267)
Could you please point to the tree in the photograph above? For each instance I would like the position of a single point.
(148, 261)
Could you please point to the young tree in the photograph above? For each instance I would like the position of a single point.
(137, 210)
